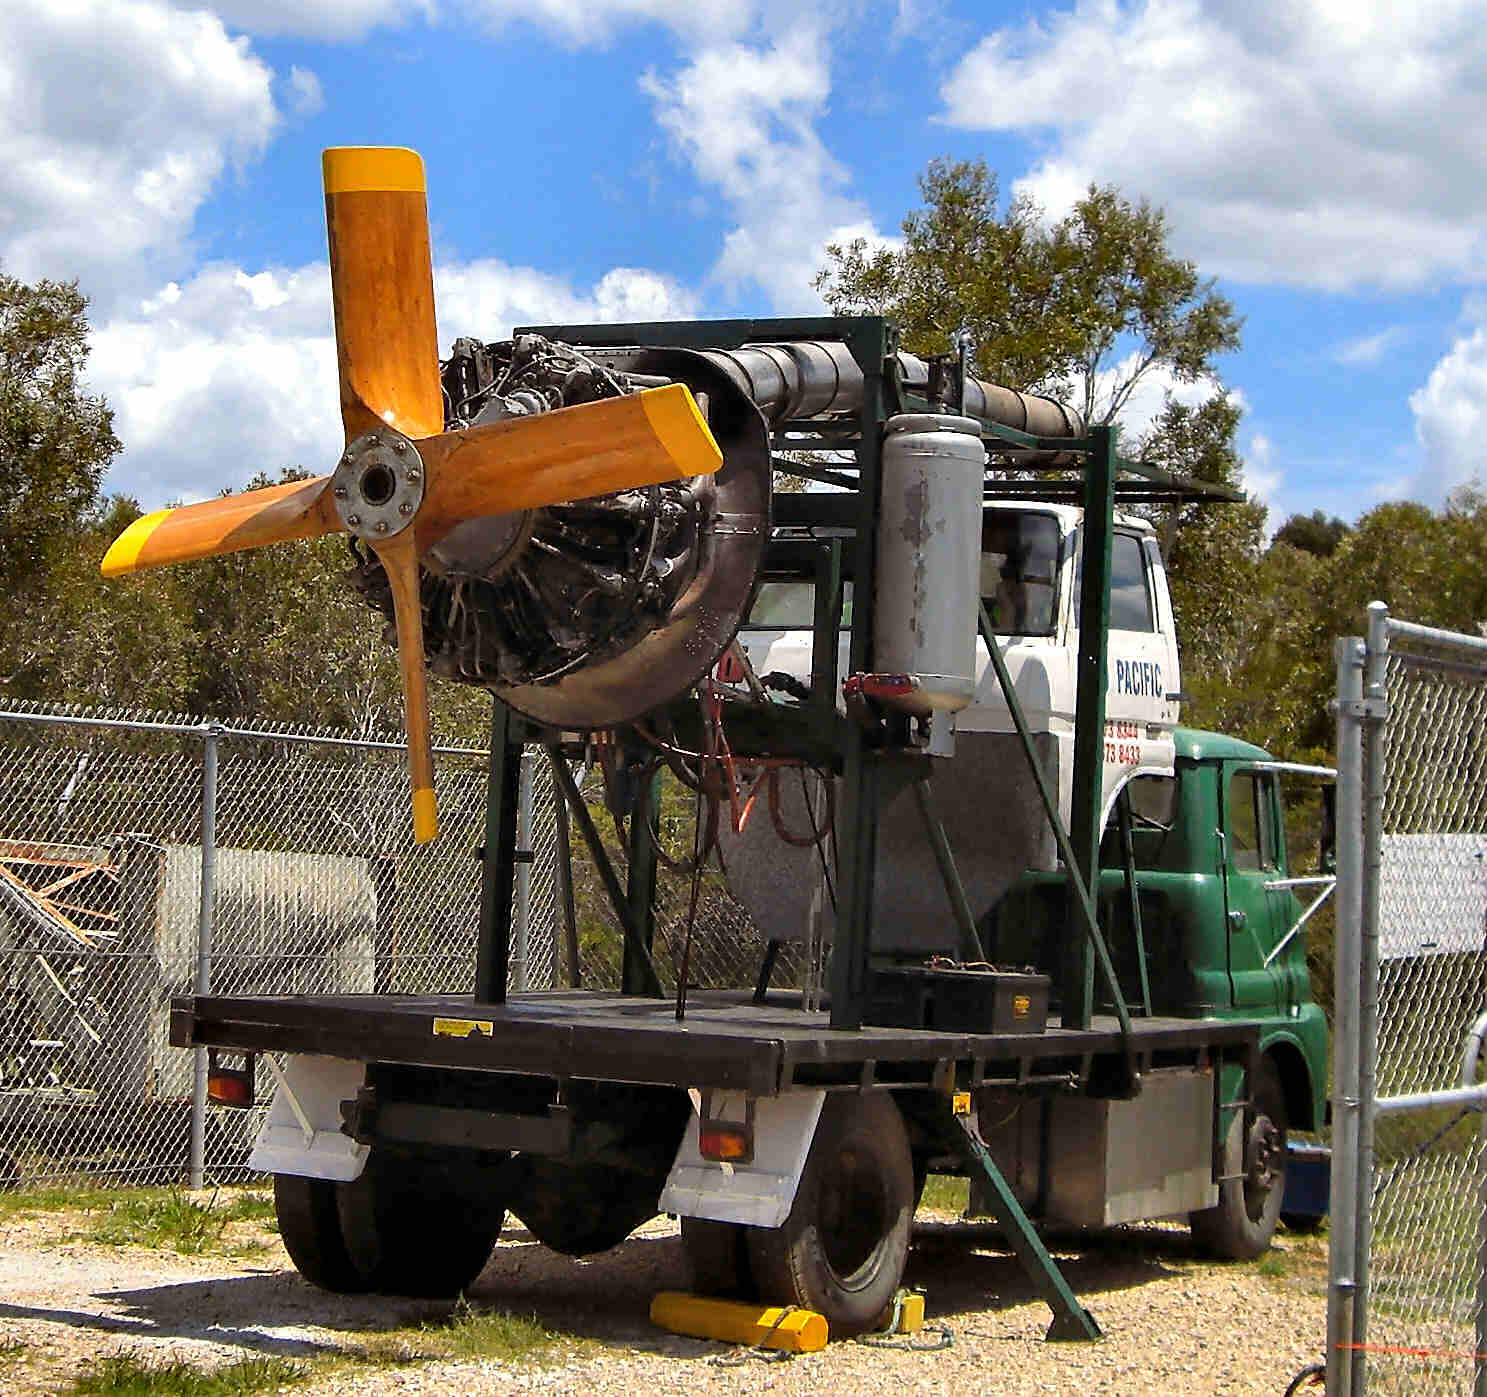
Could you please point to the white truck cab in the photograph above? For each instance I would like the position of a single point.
(984, 793)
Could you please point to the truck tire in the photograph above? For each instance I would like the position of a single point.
(415, 1226)
(1241, 1226)
(718, 1256)
(310, 1228)
(842, 1249)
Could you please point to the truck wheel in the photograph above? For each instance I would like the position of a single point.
(578, 1210)
(310, 1228)
(718, 1255)
(1241, 1227)
(841, 1251)
(421, 1227)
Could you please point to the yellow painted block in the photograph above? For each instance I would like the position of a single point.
(701, 1317)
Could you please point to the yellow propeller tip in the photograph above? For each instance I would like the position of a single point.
(363, 169)
(123, 553)
(681, 428)
(425, 816)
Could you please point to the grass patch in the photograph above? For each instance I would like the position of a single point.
(55, 1200)
(945, 1193)
(127, 1375)
(12, 1348)
(1274, 1264)
(470, 1332)
(177, 1221)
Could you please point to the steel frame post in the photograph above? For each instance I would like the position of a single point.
(1077, 991)
(498, 861)
(565, 869)
(852, 943)
(637, 971)
(1071, 1321)
(1343, 1278)
(205, 931)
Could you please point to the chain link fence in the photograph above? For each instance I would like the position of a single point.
(315, 887)
(1408, 1295)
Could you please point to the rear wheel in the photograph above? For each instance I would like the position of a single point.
(1241, 1226)
(310, 1227)
(842, 1249)
(416, 1226)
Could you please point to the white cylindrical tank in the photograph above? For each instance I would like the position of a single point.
(929, 559)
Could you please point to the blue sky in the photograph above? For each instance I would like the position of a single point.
(649, 158)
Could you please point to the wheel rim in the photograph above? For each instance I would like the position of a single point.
(1264, 1164)
(852, 1215)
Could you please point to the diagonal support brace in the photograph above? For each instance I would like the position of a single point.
(1071, 1321)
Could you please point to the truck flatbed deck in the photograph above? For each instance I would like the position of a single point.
(726, 1041)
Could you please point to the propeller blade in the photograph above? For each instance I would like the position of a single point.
(382, 288)
(276, 514)
(399, 557)
(644, 438)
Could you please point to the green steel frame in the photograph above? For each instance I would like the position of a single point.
(871, 772)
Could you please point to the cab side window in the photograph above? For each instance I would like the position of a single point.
(1251, 836)
(1130, 589)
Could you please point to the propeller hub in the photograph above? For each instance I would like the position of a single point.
(378, 484)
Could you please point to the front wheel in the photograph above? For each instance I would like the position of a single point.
(842, 1249)
(1241, 1226)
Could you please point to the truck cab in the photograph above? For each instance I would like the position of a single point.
(1216, 935)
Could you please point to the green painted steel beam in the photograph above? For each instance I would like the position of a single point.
(868, 341)
(960, 905)
(1071, 1321)
(498, 856)
(638, 971)
(1091, 679)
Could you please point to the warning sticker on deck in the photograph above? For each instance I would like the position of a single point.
(462, 1028)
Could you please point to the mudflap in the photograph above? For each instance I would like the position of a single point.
(761, 1192)
(302, 1133)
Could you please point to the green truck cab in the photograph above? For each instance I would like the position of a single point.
(1216, 937)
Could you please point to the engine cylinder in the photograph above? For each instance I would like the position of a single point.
(929, 559)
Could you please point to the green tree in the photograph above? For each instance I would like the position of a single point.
(56, 441)
(1090, 305)
(1314, 532)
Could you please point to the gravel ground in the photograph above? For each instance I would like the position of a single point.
(1173, 1323)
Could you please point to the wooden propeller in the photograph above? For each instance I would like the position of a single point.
(403, 481)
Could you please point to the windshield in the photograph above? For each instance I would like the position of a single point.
(1019, 571)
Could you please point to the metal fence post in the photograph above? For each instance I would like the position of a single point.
(204, 930)
(1374, 784)
(1342, 1280)
(521, 929)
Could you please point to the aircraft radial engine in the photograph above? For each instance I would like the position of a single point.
(591, 613)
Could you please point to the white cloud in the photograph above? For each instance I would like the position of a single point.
(227, 374)
(1326, 144)
(744, 116)
(1367, 350)
(306, 95)
(1450, 410)
(1261, 478)
(319, 19)
(116, 119)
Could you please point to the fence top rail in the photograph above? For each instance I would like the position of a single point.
(202, 727)
(1431, 635)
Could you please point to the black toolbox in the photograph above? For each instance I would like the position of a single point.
(963, 1000)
